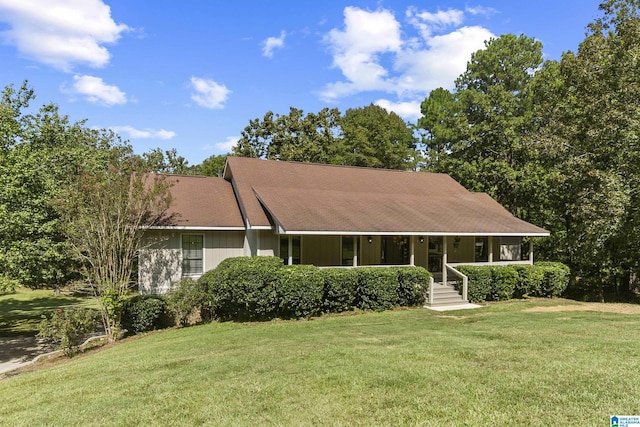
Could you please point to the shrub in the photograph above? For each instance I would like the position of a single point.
(300, 290)
(530, 279)
(244, 288)
(479, 284)
(556, 278)
(340, 285)
(413, 285)
(190, 301)
(143, 313)
(68, 327)
(377, 288)
(504, 280)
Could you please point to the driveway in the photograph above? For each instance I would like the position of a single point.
(19, 351)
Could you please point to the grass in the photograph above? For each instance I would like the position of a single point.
(21, 312)
(498, 365)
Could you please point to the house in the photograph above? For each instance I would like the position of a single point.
(328, 216)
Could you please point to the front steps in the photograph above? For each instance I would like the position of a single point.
(445, 297)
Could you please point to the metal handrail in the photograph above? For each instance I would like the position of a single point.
(465, 280)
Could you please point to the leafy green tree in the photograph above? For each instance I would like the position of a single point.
(106, 213)
(373, 137)
(211, 166)
(167, 161)
(292, 137)
(38, 155)
(478, 134)
(588, 117)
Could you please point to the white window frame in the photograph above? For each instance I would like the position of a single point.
(204, 238)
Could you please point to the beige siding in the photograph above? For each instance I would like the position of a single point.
(370, 251)
(269, 243)
(159, 263)
(465, 252)
(321, 250)
(420, 252)
(220, 245)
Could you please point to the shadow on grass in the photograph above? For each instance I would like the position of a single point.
(20, 316)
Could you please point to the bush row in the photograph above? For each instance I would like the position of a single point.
(259, 288)
(496, 283)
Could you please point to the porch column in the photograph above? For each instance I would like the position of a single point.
(426, 250)
(356, 239)
(530, 250)
(290, 255)
(490, 243)
(444, 260)
(412, 250)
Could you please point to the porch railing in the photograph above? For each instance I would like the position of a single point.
(465, 280)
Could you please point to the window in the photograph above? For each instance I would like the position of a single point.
(482, 249)
(510, 249)
(192, 254)
(295, 249)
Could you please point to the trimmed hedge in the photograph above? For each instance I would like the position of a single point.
(244, 288)
(413, 285)
(300, 289)
(479, 284)
(189, 302)
(556, 278)
(377, 288)
(530, 278)
(261, 288)
(340, 285)
(495, 283)
(144, 313)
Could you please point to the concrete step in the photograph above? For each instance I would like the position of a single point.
(445, 295)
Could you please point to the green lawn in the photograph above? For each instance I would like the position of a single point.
(21, 312)
(496, 366)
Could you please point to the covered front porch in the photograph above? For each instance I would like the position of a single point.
(433, 252)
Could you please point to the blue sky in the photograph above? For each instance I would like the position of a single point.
(190, 75)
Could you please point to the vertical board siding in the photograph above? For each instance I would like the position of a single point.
(159, 263)
(321, 250)
(220, 245)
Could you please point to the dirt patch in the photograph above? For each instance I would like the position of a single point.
(589, 306)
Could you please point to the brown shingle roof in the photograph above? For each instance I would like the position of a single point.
(305, 197)
(202, 201)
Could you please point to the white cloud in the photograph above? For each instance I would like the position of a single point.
(441, 62)
(209, 94)
(146, 133)
(428, 22)
(374, 52)
(61, 33)
(97, 91)
(273, 43)
(357, 49)
(222, 147)
(408, 110)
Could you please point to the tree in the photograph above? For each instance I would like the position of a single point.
(107, 212)
(589, 122)
(373, 137)
(167, 161)
(368, 136)
(292, 137)
(211, 166)
(478, 134)
(38, 155)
